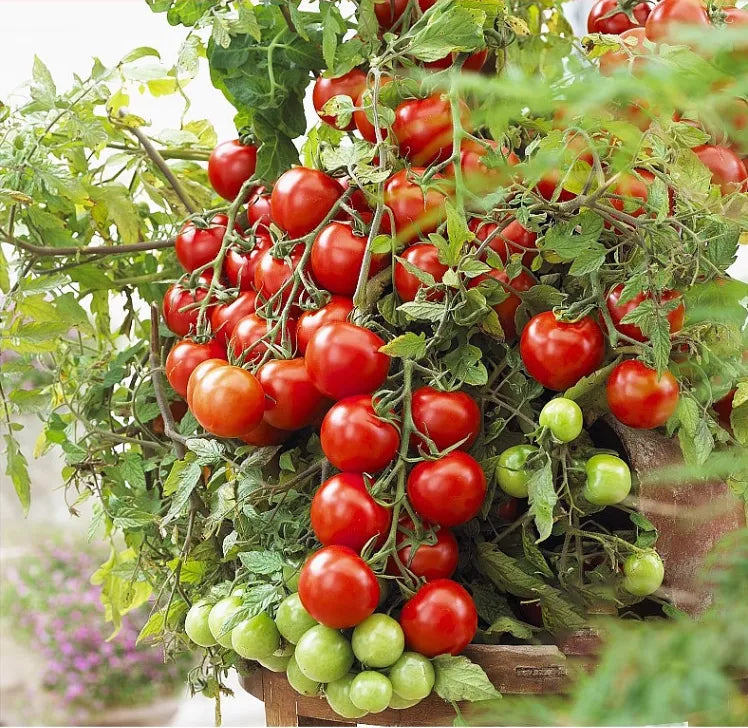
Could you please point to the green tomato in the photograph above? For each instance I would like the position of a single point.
(299, 681)
(643, 573)
(292, 619)
(371, 691)
(563, 417)
(412, 676)
(255, 637)
(291, 573)
(608, 480)
(511, 474)
(221, 613)
(378, 641)
(323, 654)
(196, 624)
(398, 703)
(278, 661)
(338, 694)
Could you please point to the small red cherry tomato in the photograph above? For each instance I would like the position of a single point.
(425, 257)
(184, 356)
(640, 398)
(445, 417)
(292, 401)
(230, 165)
(338, 309)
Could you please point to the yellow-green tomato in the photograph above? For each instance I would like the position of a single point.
(608, 480)
(219, 615)
(299, 681)
(196, 624)
(511, 474)
(563, 418)
(398, 703)
(371, 691)
(292, 619)
(291, 573)
(412, 676)
(278, 661)
(255, 637)
(338, 694)
(323, 654)
(643, 573)
(378, 641)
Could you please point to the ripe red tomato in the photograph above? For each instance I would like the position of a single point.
(423, 129)
(184, 356)
(302, 199)
(613, 61)
(292, 401)
(251, 337)
(727, 168)
(338, 588)
(512, 238)
(638, 397)
(415, 213)
(618, 311)
(357, 201)
(668, 16)
(226, 316)
(180, 306)
(258, 209)
(445, 417)
(228, 401)
(239, 265)
(508, 307)
(723, 408)
(632, 187)
(448, 491)
(200, 371)
(349, 84)
(344, 359)
(344, 513)
(354, 439)
(425, 257)
(338, 309)
(479, 178)
(603, 17)
(197, 246)
(230, 165)
(441, 618)
(337, 255)
(558, 354)
(364, 101)
(388, 12)
(265, 435)
(274, 275)
(474, 62)
(429, 561)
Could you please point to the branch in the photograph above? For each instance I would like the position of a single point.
(92, 250)
(287, 17)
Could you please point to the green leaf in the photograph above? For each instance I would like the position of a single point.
(209, 452)
(131, 468)
(407, 346)
(511, 625)
(533, 553)
(695, 438)
(423, 310)
(465, 364)
(543, 498)
(188, 480)
(437, 34)
(172, 480)
(43, 86)
(17, 469)
(155, 624)
(457, 679)
(261, 562)
(573, 237)
(458, 234)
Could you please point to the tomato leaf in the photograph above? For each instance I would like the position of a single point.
(17, 469)
(407, 346)
(261, 562)
(457, 678)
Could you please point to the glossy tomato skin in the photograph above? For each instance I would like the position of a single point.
(228, 401)
(638, 397)
(200, 371)
(512, 238)
(479, 178)
(619, 310)
(337, 255)
(355, 440)
(665, 20)
(249, 340)
(344, 359)
(441, 618)
(301, 199)
(349, 84)
(197, 246)
(226, 316)
(603, 19)
(632, 187)
(365, 127)
(343, 513)
(445, 417)
(388, 12)
(559, 354)
(508, 307)
(338, 309)
(239, 265)
(474, 62)
(727, 168)
(258, 209)
(338, 588)
(643, 573)
(723, 408)
(291, 400)
(184, 356)
(264, 435)
(178, 317)
(428, 561)
(615, 60)
(415, 213)
(448, 491)
(425, 257)
(274, 275)
(230, 165)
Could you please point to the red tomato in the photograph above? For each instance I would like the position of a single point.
(423, 129)
(226, 316)
(338, 588)
(388, 12)
(508, 307)
(509, 509)
(354, 439)
(474, 62)
(228, 401)
(618, 311)
(606, 17)
(344, 359)
(344, 514)
(559, 354)
(258, 209)
(429, 561)
(349, 84)
(180, 306)
(547, 185)
(512, 238)
(441, 618)
(727, 168)
(274, 275)
(265, 435)
(184, 356)
(200, 371)
(337, 255)
(251, 336)
(414, 213)
(292, 400)
(239, 265)
(448, 491)
(357, 201)
(479, 178)
(230, 165)
(638, 397)
(302, 199)
(178, 410)
(633, 56)
(723, 408)
(197, 246)
(364, 126)
(445, 417)
(631, 187)
(425, 257)
(669, 16)
(338, 309)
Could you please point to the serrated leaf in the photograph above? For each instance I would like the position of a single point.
(511, 625)
(457, 679)
(209, 452)
(407, 346)
(542, 498)
(423, 310)
(16, 468)
(188, 480)
(261, 562)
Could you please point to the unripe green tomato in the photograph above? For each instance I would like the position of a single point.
(196, 624)
(398, 703)
(371, 691)
(278, 661)
(292, 619)
(563, 417)
(299, 681)
(608, 480)
(291, 573)
(643, 573)
(412, 676)
(338, 694)
(511, 474)
(221, 613)
(255, 637)
(378, 641)
(323, 654)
